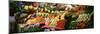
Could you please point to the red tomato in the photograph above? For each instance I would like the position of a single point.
(60, 24)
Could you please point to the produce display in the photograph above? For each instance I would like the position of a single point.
(43, 16)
